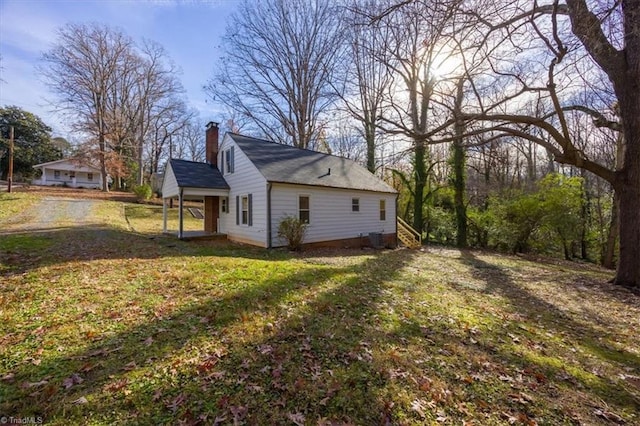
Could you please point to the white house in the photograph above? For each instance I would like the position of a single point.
(249, 185)
(69, 172)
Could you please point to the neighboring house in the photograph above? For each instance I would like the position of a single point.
(68, 172)
(249, 185)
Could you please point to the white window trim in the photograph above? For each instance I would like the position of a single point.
(358, 204)
(309, 210)
(242, 198)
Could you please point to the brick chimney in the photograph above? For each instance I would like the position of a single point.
(211, 147)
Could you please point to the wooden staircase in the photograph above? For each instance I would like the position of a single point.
(407, 235)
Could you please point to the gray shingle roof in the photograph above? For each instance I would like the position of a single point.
(190, 174)
(287, 164)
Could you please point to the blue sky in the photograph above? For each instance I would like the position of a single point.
(190, 31)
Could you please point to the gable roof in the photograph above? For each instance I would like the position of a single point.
(287, 164)
(191, 174)
(70, 163)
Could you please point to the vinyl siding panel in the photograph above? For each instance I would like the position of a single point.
(244, 180)
(331, 215)
(169, 183)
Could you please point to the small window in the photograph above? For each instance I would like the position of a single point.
(224, 205)
(56, 174)
(245, 210)
(72, 175)
(383, 210)
(229, 160)
(355, 204)
(89, 177)
(304, 209)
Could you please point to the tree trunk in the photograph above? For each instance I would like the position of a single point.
(628, 178)
(459, 186)
(370, 136)
(459, 162)
(610, 249)
(103, 162)
(421, 181)
(628, 272)
(585, 213)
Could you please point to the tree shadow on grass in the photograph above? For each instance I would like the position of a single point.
(547, 317)
(219, 358)
(22, 251)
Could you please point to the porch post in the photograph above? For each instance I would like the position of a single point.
(164, 215)
(180, 207)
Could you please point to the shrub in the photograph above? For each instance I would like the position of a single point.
(293, 230)
(143, 192)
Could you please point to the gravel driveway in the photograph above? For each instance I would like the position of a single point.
(53, 212)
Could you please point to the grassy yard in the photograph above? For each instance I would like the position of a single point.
(115, 324)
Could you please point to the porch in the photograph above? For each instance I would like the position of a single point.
(193, 181)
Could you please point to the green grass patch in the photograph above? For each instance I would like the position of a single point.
(149, 219)
(107, 326)
(12, 205)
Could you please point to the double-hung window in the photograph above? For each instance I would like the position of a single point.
(244, 210)
(304, 209)
(229, 159)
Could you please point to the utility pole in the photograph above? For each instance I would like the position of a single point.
(10, 174)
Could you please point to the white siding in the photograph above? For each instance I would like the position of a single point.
(65, 178)
(331, 216)
(169, 183)
(245, 179)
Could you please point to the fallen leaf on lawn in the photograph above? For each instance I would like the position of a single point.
(176, 402)
(418, 405)
(29, 385)
(297, 418)
(8, 377)
(69, 382)
(81, 400)
(130, 366)
(117, 385)
(219, 420)
(148, 341)
(608, 415)
(38, 331)
(87, 367)
(238, 413)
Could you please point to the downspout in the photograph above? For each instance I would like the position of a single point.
(269, 186)
(180, 214)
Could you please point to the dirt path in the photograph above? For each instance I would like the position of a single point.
(54, 212)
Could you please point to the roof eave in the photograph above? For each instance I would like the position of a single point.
(331, 187)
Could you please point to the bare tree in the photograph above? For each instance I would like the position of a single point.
(418, 40)
(123, 98)
(280, 58)
(367, 78)
(188, 142)
(83, 69)
(575, 44)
